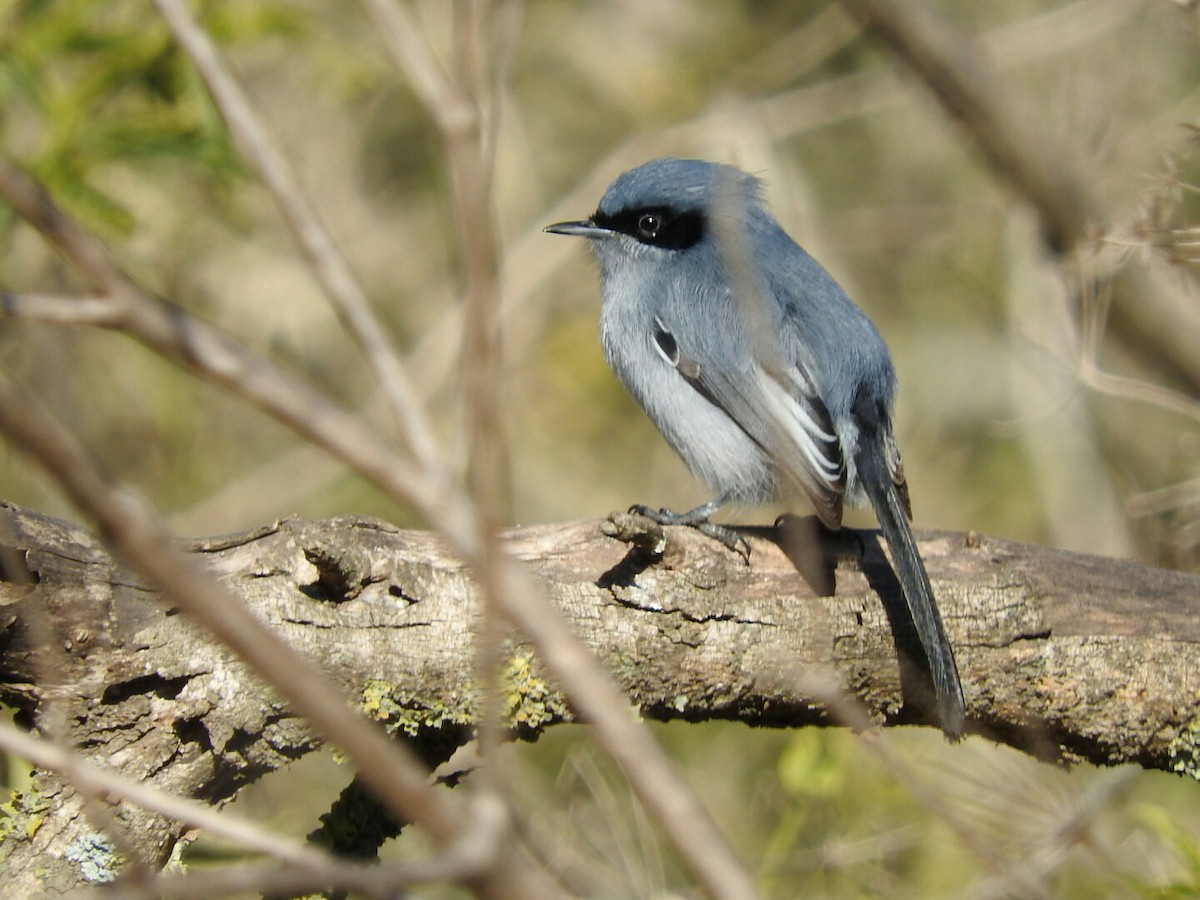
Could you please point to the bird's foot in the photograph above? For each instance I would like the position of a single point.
(727, 535)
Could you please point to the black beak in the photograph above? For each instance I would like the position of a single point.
(586, 228)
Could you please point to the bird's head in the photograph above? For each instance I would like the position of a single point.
(666, 206)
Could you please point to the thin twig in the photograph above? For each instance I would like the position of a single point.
(1095, 304)
(428, 78)
(460, 861)
(173, 333)
(458, 118)
(1161, 500)
(650, 773)
(202, 349)
(84, 775)
(967, 91)
(1140, 391)
(61, 310)
(471, 178)
(328, 262)
(449, 101)
(1053, 851)
(849, 712)
(139, 537)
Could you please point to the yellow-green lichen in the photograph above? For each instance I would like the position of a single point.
(402, 712)
(530, 702)
(1184, 750)
(21, 817)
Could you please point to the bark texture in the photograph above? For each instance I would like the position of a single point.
(1067, 656)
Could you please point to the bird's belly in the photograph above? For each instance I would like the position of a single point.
(714, 448)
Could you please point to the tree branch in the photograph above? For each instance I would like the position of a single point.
(1069, 657)
(1154, 318)
(140, 539)
(965, 87)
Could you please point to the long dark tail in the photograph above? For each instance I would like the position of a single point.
(892, 512)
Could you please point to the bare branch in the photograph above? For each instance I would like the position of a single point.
(203, 349)
(471, 855)
(458, 117)
(1068, 211)
(84, 775)
(102, 311)
(390, 769)
(328, 263)
(206, 351)
(960, 82)
(456, 105)
(691, 831)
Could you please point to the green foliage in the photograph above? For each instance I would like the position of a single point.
(86, 87)
(1170, 834)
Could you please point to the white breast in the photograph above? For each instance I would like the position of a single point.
(715, 449)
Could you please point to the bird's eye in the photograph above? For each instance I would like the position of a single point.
(649, 224)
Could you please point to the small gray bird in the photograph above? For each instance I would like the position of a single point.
(754, 364)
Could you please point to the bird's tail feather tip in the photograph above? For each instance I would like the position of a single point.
(892, 512)
(953, 719)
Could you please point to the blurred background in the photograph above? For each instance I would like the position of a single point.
(1043, 398)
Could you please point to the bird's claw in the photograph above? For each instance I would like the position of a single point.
(725, 534)
(661, 516)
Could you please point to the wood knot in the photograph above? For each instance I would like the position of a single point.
(639, 532)
(342, 572)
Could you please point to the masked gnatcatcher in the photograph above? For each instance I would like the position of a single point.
(754, 364)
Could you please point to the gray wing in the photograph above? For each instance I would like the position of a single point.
(777, 405)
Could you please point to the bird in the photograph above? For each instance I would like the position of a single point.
(754, 364)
